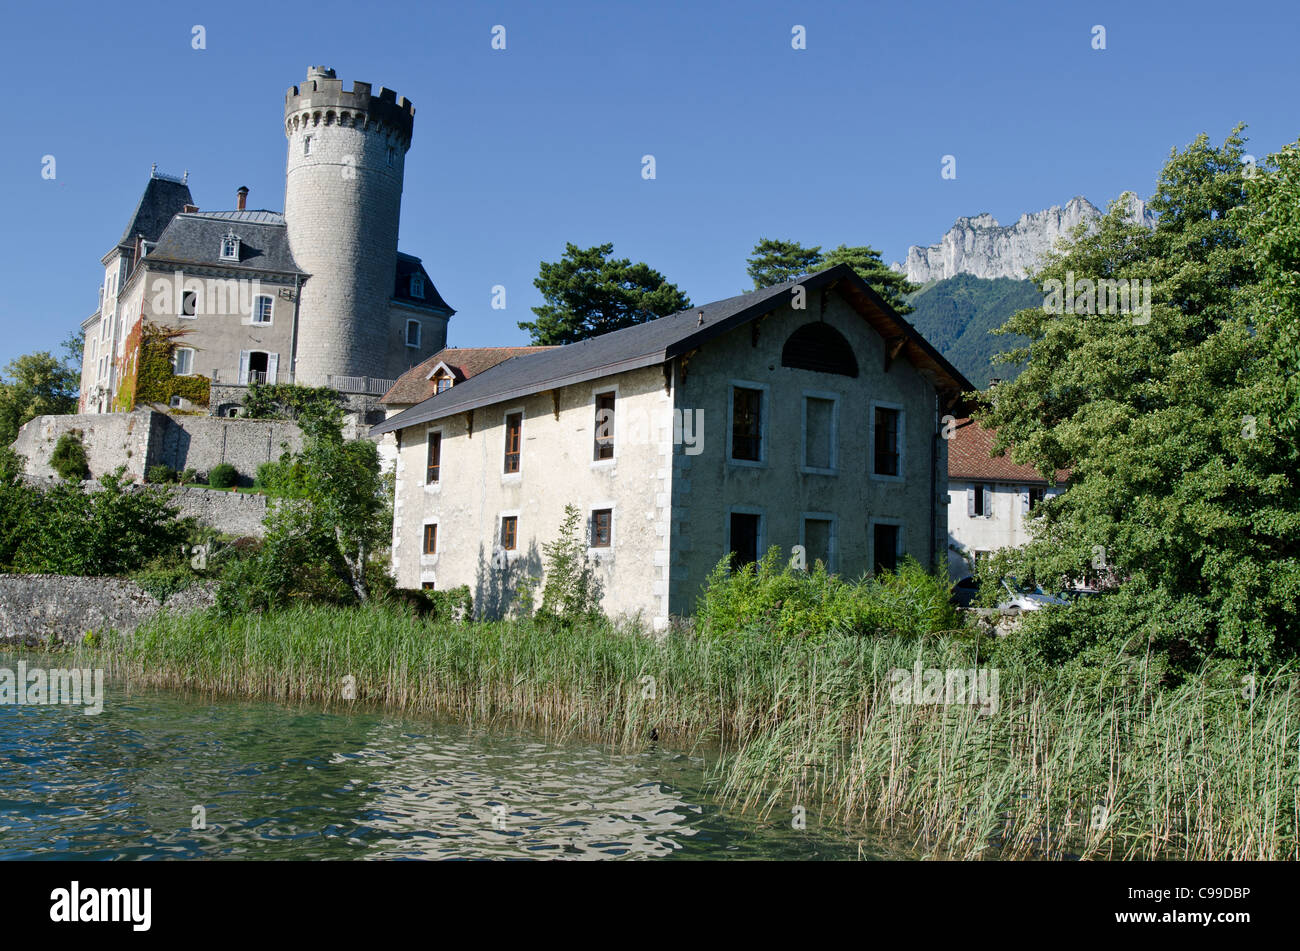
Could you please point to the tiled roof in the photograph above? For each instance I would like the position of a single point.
(408, 264)
(195, 238)
(414, 386)
(161, 201)
(657, 341)
(968, 458)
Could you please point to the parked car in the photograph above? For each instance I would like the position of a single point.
(1021, 597)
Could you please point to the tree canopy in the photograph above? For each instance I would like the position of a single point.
(1179, 431)
(776, 261)
(588, 294)
(35, 384)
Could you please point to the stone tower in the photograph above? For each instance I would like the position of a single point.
(342, 203)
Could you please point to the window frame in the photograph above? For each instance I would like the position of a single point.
(872, 406)
(419, 333)
(502, 518)
(507, 474)
(596, 393)
(189, 298)
(592, 511)
(899, 548)
(176, 371)
(834, 400)
(431, 438)
(231, 239)
(270, 310)
(764, 403)
(416, 286)
(428, 523)
(760, 535)
(832, 537)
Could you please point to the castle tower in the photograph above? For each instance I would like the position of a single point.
(342, 203)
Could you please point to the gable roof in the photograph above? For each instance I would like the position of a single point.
(968, 458)
(163, 199)
(194, 238)
(414, 386)
(657, 341)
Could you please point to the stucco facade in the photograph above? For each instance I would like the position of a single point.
(807, 470)
(473, 494)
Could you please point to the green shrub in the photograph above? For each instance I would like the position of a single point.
(571, 591)
(160, 474)
(774, 600)
(191, 476)
(223, 476)
(286, 477)
(454, 604)
(69, 456)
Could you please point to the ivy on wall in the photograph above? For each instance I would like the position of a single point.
(148, 375)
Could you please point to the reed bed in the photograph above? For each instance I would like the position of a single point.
(1120, 771)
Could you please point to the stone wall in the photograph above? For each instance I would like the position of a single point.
(111, 440)
(144, 438)
(38, 609)
(232, 513)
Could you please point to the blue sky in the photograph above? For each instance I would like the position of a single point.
(518, 151)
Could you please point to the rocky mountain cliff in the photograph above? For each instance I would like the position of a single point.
(981, 247)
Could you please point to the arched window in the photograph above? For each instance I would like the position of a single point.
(821, 348)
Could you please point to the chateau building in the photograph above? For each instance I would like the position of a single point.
(805, 414)
(317, 295)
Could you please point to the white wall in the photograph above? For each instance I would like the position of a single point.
(1006, 525)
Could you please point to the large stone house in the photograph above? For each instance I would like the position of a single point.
(989, 498)
(317, 294)
(802, 414)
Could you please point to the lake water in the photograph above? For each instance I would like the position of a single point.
(280, 782)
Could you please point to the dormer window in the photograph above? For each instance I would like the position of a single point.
(443, 382)
(230, 247)
(417, 285)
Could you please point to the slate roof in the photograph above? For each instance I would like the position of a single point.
(414, 386)
(408, 264)
(657, 341)
(162, 200)
(968, 458)
(194, 238)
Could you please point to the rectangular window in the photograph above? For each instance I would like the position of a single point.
(514, 432)
(817, 541)
(819, 435)
(189, 303)
(886, 442)
(427, 585)
(980, 501)
(747, 424)
(604, 426)
(433, 461)
(392, 156)
(184, 361)
(431, 539)
(417, 285)
(509, 532)
(1036, 495)
(602, 524)
(306, 145)
(443, 383)
(262, 310)
(885, 547)
(744, 539)
(412, 333)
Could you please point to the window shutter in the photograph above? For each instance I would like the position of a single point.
(988, 501)
(970, 502)
(1024, 501)
(272, 367)
(243, 367)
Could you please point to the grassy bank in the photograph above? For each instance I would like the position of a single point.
(1121, 770)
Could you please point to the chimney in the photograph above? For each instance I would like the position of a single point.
(241, 196)
(187, 209)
